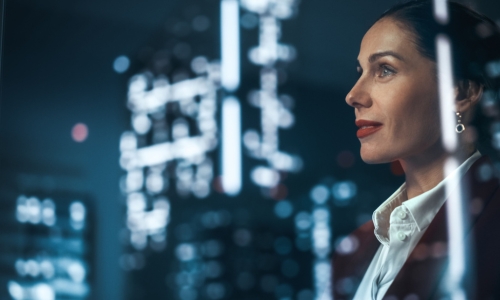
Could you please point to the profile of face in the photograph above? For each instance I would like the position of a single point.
(396, 96)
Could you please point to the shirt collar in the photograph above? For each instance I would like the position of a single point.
(422, 208)
(381, 216)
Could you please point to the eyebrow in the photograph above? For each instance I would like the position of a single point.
(375, 56)
(378, 55)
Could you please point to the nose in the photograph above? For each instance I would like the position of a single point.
(359, 96)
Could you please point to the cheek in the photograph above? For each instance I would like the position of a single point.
(410, 115)
(423, 105)
(416, 119)
(409, 99)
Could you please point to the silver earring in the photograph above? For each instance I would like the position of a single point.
(460, 127)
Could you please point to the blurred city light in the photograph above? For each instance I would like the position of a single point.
(57, 265)
(321, 236)
(343, 191)
(319, 194)
(275, 113)
(121, 64)
(80, 132)
(283, 209)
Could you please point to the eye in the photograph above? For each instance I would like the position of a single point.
(385, 71)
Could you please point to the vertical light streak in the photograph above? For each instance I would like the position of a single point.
(231, 146)
(231, 110)
(230, 45)
(457, 222)
(441, 11)
(456, 233)
(446, 94)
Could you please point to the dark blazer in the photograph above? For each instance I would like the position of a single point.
(423, 272)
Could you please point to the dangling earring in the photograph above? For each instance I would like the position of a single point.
(460, 127)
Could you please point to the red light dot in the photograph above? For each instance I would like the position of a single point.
(80, 132)
(279, 192)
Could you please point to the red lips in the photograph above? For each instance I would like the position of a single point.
(367, 128)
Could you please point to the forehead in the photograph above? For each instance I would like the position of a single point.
(387, 35)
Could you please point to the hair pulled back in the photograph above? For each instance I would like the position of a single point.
(474, 37)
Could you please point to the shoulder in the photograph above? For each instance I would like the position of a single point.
(483, 191)
(484, 209)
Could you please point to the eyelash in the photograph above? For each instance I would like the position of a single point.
(383, 69)
(386, 68)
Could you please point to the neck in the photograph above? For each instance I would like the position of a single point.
(425, 171)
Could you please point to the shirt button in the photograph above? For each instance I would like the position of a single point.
(401, 236)
(402, 215)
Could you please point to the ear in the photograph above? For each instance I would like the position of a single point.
(467, 95)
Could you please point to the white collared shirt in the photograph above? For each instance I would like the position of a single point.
(399, 225)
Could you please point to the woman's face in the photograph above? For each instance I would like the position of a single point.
(395, 99)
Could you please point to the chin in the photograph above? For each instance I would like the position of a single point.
(374, 156)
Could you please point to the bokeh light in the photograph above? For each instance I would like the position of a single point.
(283, 209)
(80, 132)
(121, 64)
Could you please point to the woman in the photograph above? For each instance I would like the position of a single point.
(402, 253)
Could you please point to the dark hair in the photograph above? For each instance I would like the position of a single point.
(475, 41)
(475, 38)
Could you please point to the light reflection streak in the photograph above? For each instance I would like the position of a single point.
(446, 94)
(441, 11)
(231, 111)
(457, 222)
(230, 45)
(231, 146)
(457, 225)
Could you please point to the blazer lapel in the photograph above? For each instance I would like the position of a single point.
(349, 268)
(426, 265)
(423, 268)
